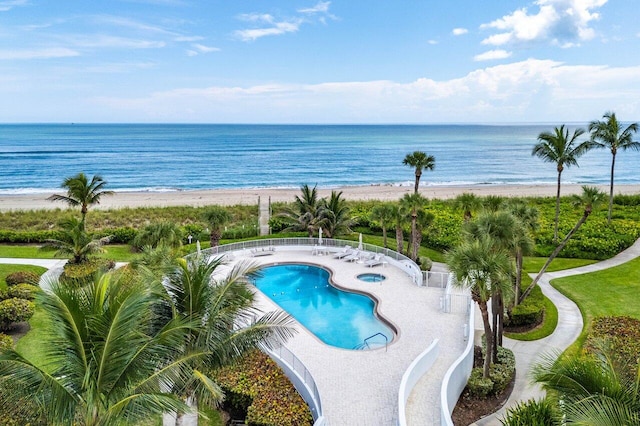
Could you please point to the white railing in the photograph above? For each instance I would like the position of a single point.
(457, 375)
(455, 299)
(301, 378)
(435, 279)
(416, 370)
(394, 258)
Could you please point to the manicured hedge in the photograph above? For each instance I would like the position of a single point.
(5, 341)
(21, 291)
(530, 312)
(500, 375)
(257, 386)
(22, 277)
(15, 310)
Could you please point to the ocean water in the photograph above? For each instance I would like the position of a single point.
(169, 157)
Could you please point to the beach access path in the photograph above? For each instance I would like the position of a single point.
(567, 331)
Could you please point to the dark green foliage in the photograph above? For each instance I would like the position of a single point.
(533, 413)
(22, 277)
(82, 273)
(5, 342)
(257, 386)
(530, 312)
(623, 336)
(15, 310)
(123, 235)
(478, 386)
(21, 291)
(626, 200)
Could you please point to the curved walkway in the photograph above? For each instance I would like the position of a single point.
(568, 329)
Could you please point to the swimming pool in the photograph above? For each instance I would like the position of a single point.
(338, 318)
(371, 277)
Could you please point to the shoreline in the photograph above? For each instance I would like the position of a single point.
(249, 196)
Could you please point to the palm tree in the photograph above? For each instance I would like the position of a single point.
(384, 215)
(413, 203)
(592, 387)
(335, 215)
(306, 214)
(523, 243)
(216, 217)
(74, 241)
(608, 133)
(400, 221)
(423, 221)
(590, 199)
(492, 203)
(468, 203)
(477, 265)
(419, 161)
(104, 362)
(558, 148)
(81, 192)
(161, 233)
(228, 324)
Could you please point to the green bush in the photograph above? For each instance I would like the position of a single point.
(22, 291)
(123, 235)
(256, 386)
(425, 263)
(530, 312)
(478, 386)
(81, 273)
(6, 342)
(533, 413)
(22, 277)
(15, 310)
(623, 335)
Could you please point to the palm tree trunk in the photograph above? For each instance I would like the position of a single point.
(500, 325)
(494, 318)
(384, 236)
(417, 183)
(519, 262)
(399, 239)
(214, 238)
(555, 226)
(488, 338)
(555, 253)
(412, 252)
(613, 165)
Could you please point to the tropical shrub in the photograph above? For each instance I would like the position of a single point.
(78, 274)
(21, 291)
(13, 311)
(533, 413)
(5, 342)
(530, 312)
(622, 334)
(22, 277)
(479, 386)
(257, 386)
(123, 235)
(500, 375)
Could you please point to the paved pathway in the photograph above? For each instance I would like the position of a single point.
(568, 329)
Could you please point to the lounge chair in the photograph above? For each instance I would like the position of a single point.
(262, 251)
(343, 253)
(353, 256)
(374, 261)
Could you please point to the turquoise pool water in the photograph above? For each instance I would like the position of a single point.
(336, 317)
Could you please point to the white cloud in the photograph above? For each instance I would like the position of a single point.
(49, 53)
(560, 22)
(256, 17)
(459, 31)
(198, 48)
(108, 41)
(320, 7)
(5, 6)
(278, 28)
(432, 42)
(492, 55)
(526, 91)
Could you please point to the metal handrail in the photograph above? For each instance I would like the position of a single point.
(386, 340)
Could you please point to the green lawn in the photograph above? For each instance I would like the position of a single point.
(117, 252)
(534, 264)
(614, 291)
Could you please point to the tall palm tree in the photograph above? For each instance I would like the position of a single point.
(81, 192)
(399, 221)
(383, 214)
(468, 203)
(609, 133)
(593, 388)
(523, 243)
(104, 361)
(590, 199)
(335, 215)
(423, 221)
(478, 266)
(228, 324)
(216, 217)
(558, 148)
(413, 203)
(306, 213)
(75, 241)
(419, 161)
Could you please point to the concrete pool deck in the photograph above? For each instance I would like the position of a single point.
(361, 387)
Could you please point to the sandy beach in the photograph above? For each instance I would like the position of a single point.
(250, 195)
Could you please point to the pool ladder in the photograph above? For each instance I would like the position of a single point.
(365, 343)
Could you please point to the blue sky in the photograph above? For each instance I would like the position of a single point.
(340, 61)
